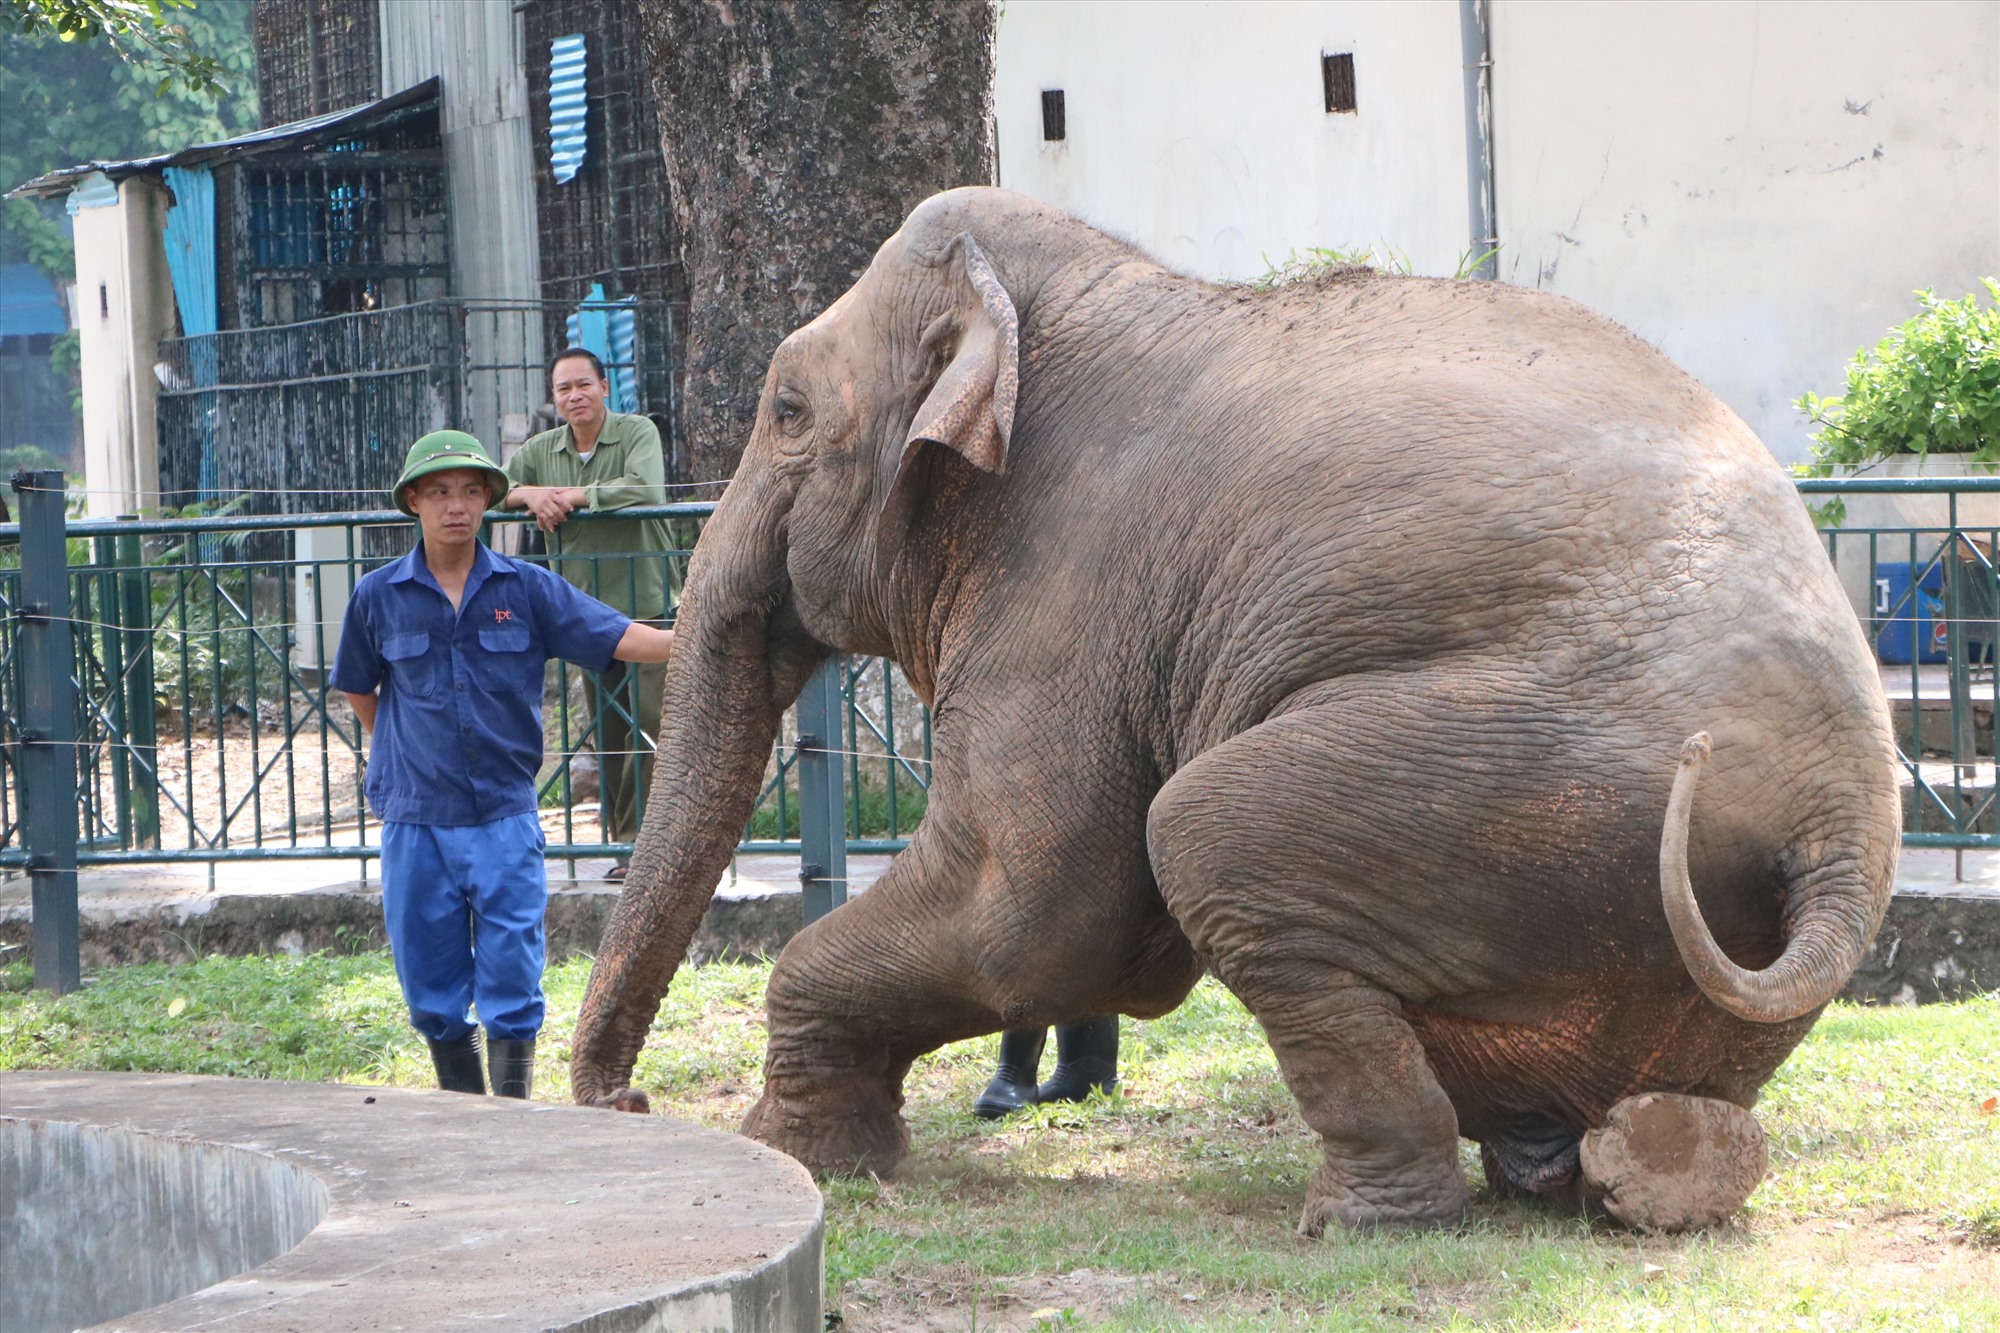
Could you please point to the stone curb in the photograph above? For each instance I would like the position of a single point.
(348, 919)
(1933, 945)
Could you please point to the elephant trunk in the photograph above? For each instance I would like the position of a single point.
(1827, 941)
(730, 680)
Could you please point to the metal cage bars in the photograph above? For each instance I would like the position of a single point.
(164, 698)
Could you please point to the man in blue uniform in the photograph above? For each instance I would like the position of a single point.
(441, 656)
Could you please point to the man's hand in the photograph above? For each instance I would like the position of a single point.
(551, 505)
(643, 643)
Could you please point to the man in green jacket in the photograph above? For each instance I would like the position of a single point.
(603, 460)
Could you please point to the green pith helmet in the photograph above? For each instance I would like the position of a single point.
(440, 451)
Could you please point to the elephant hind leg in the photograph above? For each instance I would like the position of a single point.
(1535, 1156)
(1273, 928)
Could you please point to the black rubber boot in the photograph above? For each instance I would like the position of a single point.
(457, 1064)
(1013, 1085)
(1086, 1058)
(512, 1065)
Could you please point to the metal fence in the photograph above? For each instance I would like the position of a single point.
(164, 692)
(165, 697)
(314, 416)
(1918, 559)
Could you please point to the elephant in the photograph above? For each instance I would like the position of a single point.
(1344, 639)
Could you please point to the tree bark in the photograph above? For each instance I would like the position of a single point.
(798, 134)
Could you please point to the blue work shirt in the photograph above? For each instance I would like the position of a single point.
(458, 731)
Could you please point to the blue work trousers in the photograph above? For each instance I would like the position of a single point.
(464, 906)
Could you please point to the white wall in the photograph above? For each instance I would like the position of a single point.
(124, 307)
(474, 47)
(1200, 131)
(1754, 187)
(1692, 170)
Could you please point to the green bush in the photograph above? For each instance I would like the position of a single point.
(874, 803)
(1931, 386)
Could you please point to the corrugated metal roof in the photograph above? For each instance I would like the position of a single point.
(300, 133)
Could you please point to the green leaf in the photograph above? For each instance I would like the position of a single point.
(1931, 383)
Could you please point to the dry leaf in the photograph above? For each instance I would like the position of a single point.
(178, 1007)
(1652, 1272)
(1989, 1106)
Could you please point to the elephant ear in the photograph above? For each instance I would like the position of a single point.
(970, 406)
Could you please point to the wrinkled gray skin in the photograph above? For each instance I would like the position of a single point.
(1342, 639)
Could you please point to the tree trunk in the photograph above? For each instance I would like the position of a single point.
(798, 134)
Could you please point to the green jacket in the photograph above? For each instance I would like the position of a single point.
(621, 562)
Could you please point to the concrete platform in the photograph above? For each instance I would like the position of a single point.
(381, 1209)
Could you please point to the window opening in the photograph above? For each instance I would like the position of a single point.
(1337, 74)
(1053, 117)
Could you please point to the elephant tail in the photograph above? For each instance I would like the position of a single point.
(1826, 942)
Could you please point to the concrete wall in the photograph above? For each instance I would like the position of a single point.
(98, 1222)
(475, 49)
(1201, 132)
(1755, 187)
(124, 306)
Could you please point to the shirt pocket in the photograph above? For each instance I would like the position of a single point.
(507, 662)
(412, 667)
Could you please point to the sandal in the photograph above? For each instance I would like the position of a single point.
(616, 874)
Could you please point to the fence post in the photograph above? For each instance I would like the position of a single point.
(48, 729)
(822, 802)
(141, 727)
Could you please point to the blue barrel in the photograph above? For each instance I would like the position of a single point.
(1909, 625)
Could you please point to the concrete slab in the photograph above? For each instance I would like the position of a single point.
(1940, 940)
(418, 1210)
(170, 913)
(1941, 937)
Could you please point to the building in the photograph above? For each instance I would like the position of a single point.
(34, 396)
(286, 310)
(1756, 188)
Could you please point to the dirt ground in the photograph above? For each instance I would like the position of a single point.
(239, 785)
(1889, 1254)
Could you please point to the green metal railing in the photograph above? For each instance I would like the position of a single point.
(168, 677)
(164, 694)
(1930, 601)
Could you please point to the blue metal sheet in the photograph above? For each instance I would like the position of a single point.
(28, 302)
(569, 109)
(610, 329)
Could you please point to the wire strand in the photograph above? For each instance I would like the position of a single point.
(219, 492)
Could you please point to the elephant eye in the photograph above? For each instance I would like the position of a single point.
(793, 412)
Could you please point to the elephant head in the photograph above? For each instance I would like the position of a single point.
(911, 373)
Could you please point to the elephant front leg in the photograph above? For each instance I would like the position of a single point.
(834, 1106)
(854, 999)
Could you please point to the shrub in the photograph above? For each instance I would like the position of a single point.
(1931, 386)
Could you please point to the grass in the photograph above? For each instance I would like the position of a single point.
(1171, 1205)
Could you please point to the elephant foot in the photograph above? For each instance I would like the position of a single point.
(624, 1099)
(831, 1131)
(1332, 1200)
(1535, 1158)
(1669, 1162)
